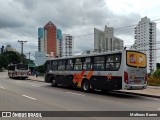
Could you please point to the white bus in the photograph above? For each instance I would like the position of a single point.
(104, 71)
(18, 71)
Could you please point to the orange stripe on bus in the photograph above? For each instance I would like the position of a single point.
(89, 74)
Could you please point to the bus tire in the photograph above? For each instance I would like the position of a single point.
(53, 82)
(86, 86)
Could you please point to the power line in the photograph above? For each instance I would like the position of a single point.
(116, 29)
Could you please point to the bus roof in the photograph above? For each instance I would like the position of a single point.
(85, 55)
(89, 55)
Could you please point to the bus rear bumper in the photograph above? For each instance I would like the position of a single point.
(135, 87)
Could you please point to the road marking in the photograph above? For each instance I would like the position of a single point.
(75, 93)
(2, 87)
(29, 97)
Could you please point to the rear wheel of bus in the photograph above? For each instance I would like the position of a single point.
(86, 86)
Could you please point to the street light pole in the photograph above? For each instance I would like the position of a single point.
(22, 42)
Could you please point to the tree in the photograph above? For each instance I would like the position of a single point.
(9, 57)
(40, 69)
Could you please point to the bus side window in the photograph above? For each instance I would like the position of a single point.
(69, 65)
(54, 65)
(61, 65)
(112, 62)
(87, 64)
(78, 64)
(99, 63)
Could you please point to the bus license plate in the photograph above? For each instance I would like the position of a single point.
(137, 82)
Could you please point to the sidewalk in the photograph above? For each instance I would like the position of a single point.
(38, 79)
(151, 91)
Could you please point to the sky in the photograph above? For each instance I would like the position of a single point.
(20, 19)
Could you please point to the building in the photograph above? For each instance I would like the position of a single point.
(47, 39)
(52, 44)
(145, 41)
(50, 38)
(2, 49)
(9, 48)
(41, 40)
(67, 45)
(104, 41)
(59, 43)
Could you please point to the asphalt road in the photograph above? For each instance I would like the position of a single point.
(27, 95)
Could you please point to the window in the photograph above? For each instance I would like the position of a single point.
(69, 65)
(113, 62)
(22, 67)
(54, 65)
(47, 65)
(11, 68)
(87, 64)
(61, 65)
(99, 63)
(78, 64)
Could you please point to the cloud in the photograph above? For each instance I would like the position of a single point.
(20, 19)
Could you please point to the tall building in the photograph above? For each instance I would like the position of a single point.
(47, 39)
(59, 43)
(41, 42)
(145, 41)
(67, 45)
(105, 41)
(50, 38)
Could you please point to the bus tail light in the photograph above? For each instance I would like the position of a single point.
(125, 77)
(146, 78)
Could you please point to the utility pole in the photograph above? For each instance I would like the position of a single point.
(29, 55)
(22, 42)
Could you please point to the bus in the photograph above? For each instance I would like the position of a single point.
(118, 70)
(18, 71)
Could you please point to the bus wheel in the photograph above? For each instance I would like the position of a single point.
(53, 82)
(86, 86)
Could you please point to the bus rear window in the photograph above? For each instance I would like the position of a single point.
(136, 59)
(22, 67)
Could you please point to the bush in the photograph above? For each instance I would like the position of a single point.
(156, 74)
(152, 81)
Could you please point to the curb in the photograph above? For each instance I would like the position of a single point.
(35, 80)
(154, 87)
(141, 94)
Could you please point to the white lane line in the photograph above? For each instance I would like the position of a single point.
(2, 87)
(75, 93)
(29, 97)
